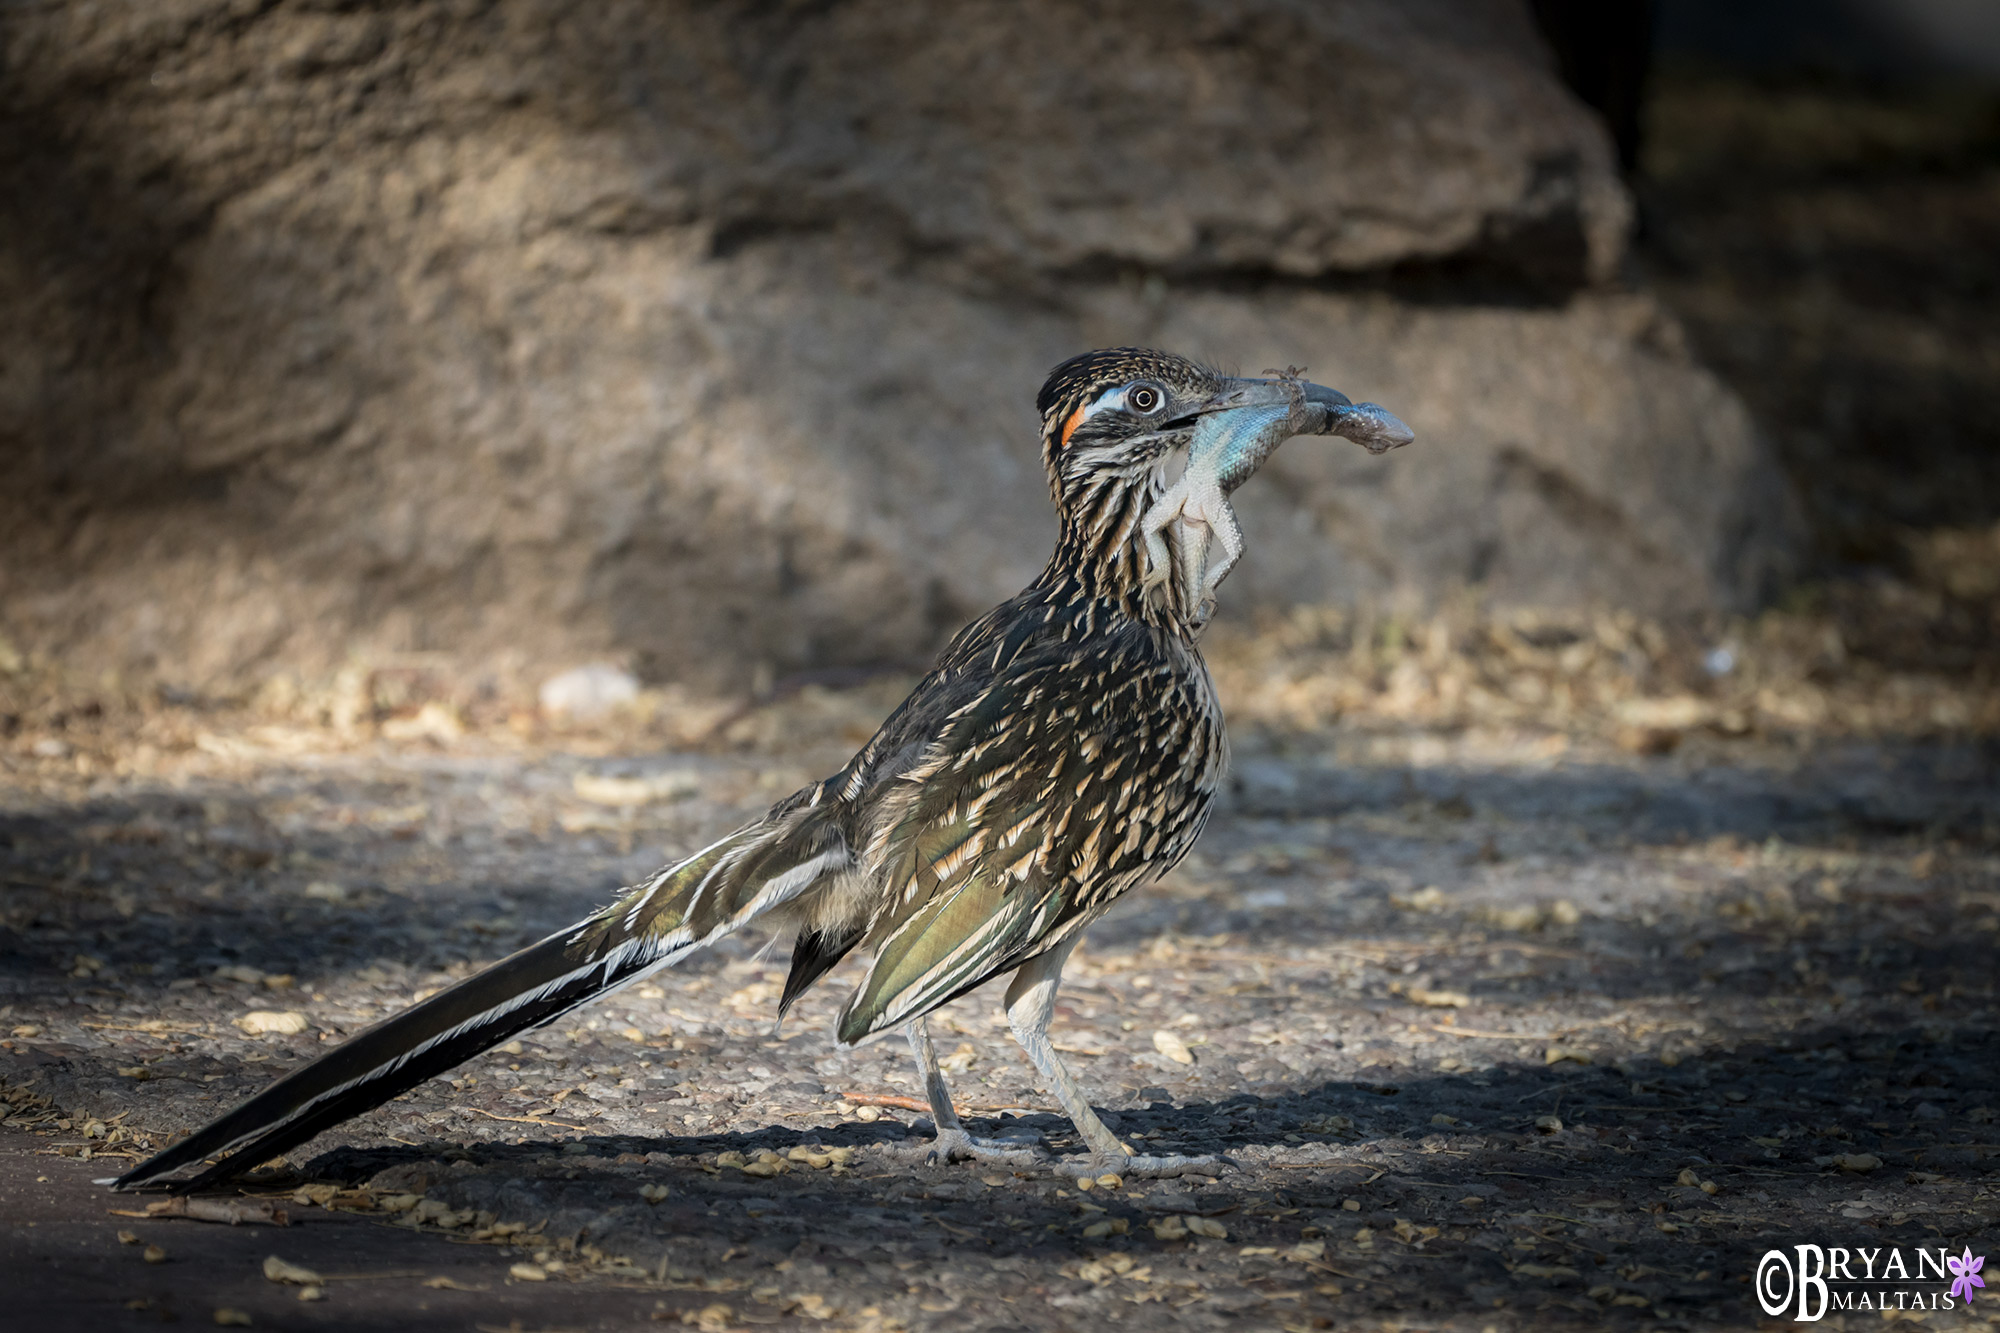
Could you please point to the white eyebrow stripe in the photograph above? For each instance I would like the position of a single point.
(1109, 398)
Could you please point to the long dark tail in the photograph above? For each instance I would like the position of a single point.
(684, 907)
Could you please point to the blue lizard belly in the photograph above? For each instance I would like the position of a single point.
(1231, 446)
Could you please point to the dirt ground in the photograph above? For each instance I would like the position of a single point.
(1504, 1029)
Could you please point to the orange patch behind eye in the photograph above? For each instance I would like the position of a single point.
(1069, 427)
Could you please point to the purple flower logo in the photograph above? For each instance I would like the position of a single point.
(1965, 1274)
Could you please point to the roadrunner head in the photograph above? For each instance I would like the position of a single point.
(1115, 423)
(1117, 412)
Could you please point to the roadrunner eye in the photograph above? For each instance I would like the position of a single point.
(1145, 398)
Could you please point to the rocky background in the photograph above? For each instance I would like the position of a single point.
(704, 338)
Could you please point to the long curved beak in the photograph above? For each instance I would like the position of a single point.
(1313, 409)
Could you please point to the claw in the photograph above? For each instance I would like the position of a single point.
(953, 1144)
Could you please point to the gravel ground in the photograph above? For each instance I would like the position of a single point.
(1503, 1031)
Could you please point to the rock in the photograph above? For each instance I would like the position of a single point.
(707, 337)
(587, 692)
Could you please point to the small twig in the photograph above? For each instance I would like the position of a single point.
(956, 1231)
(373, 1277)
(891, 1099)
(524, 1120)
(902, 1103)
(1329, 1268)
(1490, 1034)
(149, 1031)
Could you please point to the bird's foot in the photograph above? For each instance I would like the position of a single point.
(1136, 1166)
(955, 1145)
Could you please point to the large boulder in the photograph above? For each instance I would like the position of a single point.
(707, 335)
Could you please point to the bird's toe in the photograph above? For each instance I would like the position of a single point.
(1136, 1166)
(955, 1145)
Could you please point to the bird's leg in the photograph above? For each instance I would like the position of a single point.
(1031, 1003)
(953, 1142)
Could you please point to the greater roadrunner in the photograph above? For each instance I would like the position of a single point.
(1066, 747)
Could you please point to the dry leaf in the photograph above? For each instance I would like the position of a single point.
(232, 1318)
(528, 1273)
(235, 1212)
(285, 1023)
(1438, 999)
(629, 792)
(1857, 1161)
(813, 1306)
(154, 1255)
(277, 1270)
(1430, 898)
(1207, 1226)
(1170, 1045)
(1545, 1270)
